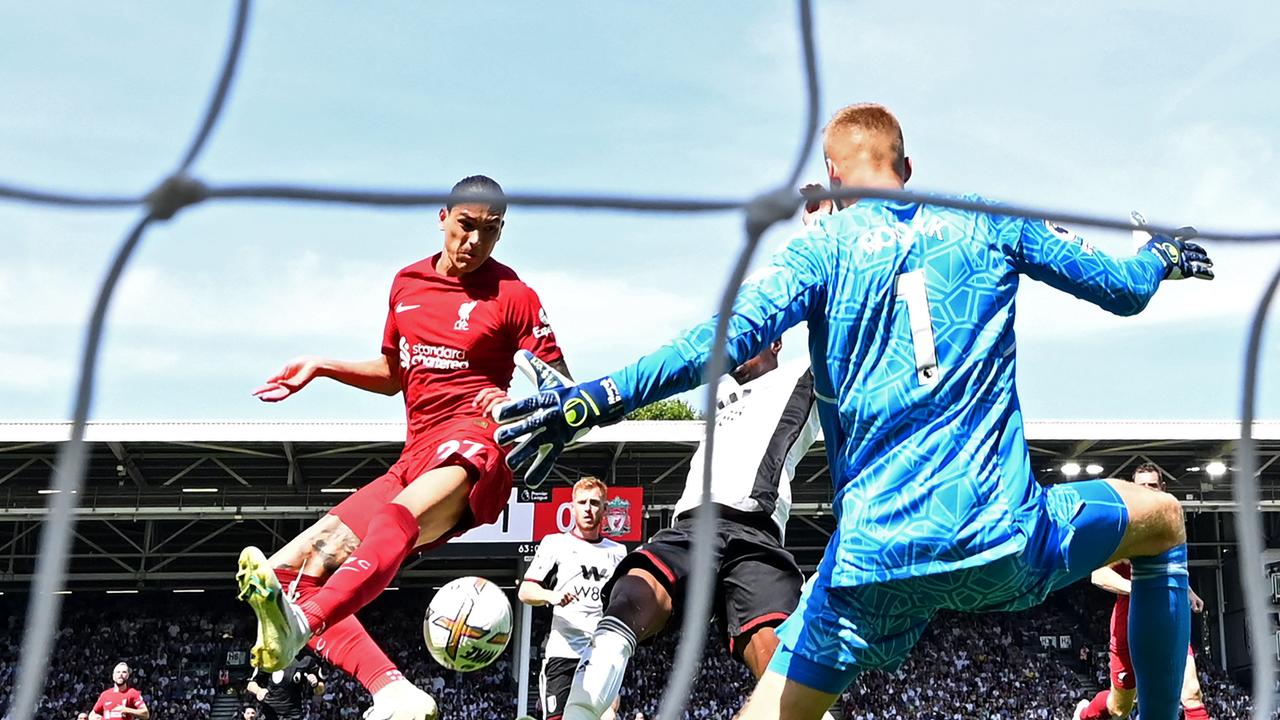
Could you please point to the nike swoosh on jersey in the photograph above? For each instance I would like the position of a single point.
(401, 307)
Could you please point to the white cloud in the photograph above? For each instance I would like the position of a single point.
(222, 294)
(306, 296)
(49, 379)
(29, 372)
(1227, 186)
(605, 322)
(170, 326)
(1047, 313)
(1221, 67)
(1231, 173)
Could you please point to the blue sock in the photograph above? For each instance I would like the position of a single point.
(1159, 631)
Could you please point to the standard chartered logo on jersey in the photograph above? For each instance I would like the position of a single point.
(432, 357)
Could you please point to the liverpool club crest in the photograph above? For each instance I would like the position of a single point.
(617, 517)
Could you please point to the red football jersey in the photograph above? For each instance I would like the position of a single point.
(111, 700)
(454, 336)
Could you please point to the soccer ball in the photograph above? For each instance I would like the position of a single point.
(468, 624)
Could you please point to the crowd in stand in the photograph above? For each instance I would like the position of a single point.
(968, 666)
(964, 667)
(1224, 699)
(173, 654)
(471, 696)
(718, 691)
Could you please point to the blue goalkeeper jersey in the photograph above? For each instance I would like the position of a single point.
(910, 311)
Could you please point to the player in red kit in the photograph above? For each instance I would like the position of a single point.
(120, 701)
(454, 322)
(1118, 700)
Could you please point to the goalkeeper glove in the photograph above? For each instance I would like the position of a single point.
(560, 413)
(1181, 258)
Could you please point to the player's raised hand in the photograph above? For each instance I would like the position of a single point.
(1181, 258)
(814, 209)
(295, 376)
(559, 413)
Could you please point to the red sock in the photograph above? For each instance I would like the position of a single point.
(1195, 713)
(348, 645)
(393, 531)
(1097, 709)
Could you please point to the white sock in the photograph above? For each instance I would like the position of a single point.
(598, 679)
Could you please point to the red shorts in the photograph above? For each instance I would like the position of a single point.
(1122, 666)
(465, 443)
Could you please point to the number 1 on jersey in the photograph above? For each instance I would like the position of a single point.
(910, 288)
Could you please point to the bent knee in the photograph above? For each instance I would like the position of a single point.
(640, 601)
(1191, 694)
(1156, 522)
(1173, 524)
(758, 650)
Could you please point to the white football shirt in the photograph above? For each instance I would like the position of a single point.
(568, 563)
(763, 429)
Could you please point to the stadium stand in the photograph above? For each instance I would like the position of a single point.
(188, 664)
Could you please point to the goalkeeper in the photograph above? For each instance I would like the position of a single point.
(910, 311)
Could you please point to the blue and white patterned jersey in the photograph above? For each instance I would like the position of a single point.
(910, 311)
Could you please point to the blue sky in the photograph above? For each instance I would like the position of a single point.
(1101, 107)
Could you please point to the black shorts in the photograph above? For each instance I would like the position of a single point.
(757, 581)
(287, 712)
(554, 683)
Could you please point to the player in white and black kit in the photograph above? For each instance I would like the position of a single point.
(763, 427)
(569, 571)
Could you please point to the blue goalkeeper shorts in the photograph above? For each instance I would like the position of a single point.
(837, 632)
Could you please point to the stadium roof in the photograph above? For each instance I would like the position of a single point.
(647, 431)
(173, 502)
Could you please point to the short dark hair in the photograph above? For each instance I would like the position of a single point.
(1147, 468)
(480, 189)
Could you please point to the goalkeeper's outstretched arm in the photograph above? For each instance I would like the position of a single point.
(1049, 253)
(788, 290)
(778, 297)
